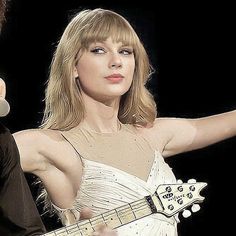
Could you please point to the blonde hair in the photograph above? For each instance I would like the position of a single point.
(64, 106)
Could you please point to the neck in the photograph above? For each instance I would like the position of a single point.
(101, 117)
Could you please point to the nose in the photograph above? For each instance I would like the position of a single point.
(115, 61)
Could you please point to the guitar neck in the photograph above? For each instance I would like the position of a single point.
(114, 218)
(168, 199)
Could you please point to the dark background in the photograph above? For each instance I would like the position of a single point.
(192, 48)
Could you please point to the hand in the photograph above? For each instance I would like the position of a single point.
(102, 230)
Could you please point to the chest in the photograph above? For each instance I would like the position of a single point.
(129, 153)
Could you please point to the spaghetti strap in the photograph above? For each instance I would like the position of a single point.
(67, 140)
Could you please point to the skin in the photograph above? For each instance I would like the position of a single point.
(41, 150)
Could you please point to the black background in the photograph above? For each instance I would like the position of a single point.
(192, 48)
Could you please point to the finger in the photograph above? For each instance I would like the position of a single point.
(105, 233)
(103, 230)
(86, 213)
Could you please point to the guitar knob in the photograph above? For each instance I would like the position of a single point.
(195, 207)
(179, 181)
(186, 213)
(192, 181)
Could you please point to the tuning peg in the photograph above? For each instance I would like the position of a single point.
(195, 207)
(179, 181)
(186, 213)
(192, 181)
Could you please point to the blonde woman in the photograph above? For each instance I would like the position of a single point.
(101, 144)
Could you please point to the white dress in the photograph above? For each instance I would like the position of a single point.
(104, 188)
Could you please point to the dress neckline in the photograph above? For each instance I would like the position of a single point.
(106, 166)
(94, 132)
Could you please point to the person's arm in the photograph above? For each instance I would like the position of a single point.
(18, 212)
(190, 134)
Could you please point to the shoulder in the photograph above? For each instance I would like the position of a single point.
(161, 131)
(155, 134)
(158, 128)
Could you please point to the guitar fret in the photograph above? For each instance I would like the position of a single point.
(143, 210)
(103, 219)
(97, 220)
(125, 214)
(72, 229)
(132, 211)
(118, 216)
(61, 232)
(111, 218)
(91, 225)
(86, 228)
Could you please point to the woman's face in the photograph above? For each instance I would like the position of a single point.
(105, 71)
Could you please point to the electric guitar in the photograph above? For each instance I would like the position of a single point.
(168, 199)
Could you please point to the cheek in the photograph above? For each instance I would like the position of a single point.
(87, 68)
(130, 68)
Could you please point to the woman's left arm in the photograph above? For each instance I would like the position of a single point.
(190, 134)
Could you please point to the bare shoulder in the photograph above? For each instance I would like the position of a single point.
(161, 131)
(156, 133)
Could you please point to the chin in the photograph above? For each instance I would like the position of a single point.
(117, 90)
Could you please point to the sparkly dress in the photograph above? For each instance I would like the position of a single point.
(105, 187)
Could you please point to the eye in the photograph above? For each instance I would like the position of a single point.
(126, 51)
(98, 50)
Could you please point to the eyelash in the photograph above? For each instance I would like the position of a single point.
(127, 51)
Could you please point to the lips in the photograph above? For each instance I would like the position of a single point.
(115, 78)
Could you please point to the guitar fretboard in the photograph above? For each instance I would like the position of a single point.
(114, 218)
(168, 200)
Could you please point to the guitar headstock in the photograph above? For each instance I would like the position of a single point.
(174, 198)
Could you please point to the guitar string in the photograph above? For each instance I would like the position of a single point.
(78, 225)
(127, 209)
(124, 214)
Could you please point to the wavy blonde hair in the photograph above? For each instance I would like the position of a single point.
(64, 106)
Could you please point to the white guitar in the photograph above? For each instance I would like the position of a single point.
(168, 199)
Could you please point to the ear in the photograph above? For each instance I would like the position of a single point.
(75, 72)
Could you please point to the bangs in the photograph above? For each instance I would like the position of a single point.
(108, 25)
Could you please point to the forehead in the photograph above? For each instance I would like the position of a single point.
(110, 42)
(117, 33)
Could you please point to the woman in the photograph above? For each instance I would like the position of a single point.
(100, 138)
